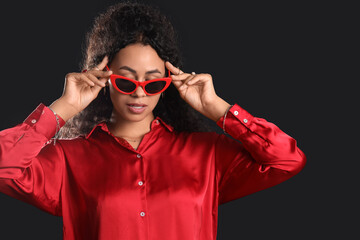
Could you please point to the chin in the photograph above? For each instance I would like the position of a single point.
(137, 117)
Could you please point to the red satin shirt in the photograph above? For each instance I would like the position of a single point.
(167, 189)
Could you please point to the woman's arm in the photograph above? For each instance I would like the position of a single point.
(30, 169)
(265, 155)
(262, 157)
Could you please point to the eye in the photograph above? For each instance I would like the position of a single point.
(153, 76)
(127, 74)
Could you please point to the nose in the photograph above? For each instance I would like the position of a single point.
(139, 92)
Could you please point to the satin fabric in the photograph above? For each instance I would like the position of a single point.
(169, 188)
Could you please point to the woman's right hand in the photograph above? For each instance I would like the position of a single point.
(80, 90)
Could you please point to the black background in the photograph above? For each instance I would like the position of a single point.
(288, 62)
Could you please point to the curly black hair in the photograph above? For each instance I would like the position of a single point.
(122, 24)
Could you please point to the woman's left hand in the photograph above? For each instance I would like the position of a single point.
(198, 91)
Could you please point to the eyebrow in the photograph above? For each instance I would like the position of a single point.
(133, 71)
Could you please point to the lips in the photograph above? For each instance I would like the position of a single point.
(136, 108)
(136, 105)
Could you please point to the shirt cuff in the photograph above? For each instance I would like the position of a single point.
(236, 115)
(43, 121)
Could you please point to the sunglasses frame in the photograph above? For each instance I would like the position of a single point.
(113, 78)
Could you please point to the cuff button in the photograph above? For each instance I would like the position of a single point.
(236, 113)
(245, 120)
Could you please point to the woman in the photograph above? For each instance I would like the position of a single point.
(130, 158)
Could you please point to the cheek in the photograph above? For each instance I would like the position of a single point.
(116, 98)
(155, 99)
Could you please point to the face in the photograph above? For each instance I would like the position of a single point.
(140, 63)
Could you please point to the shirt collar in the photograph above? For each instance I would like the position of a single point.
(155, 122)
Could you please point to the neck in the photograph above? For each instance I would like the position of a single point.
(121, 127)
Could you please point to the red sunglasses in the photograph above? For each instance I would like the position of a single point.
(128, 86)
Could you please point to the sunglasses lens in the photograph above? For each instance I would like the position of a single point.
(125, 85)
(155, 87)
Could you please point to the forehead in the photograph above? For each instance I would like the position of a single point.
(138, 57)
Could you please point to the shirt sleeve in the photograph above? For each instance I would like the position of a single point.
(31, 168)
(259, 155)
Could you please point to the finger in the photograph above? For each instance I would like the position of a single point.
(90, 81)
(173, 69)
(181, 76)
(177, 83)
(195, 79)
(105, 81)
(100, 73)
(204, 77)
(103, 63)
(96, 88)
(182, 80)
(95, 80)
(185, 83)
(83, 79)
(189, 78)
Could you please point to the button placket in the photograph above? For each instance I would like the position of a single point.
(141, 187)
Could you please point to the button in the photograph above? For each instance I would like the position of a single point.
(33, 121)
(245, 120)
(157, 121)
(140, 183)
(236, 113)
(142, 214)
(139, 155)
